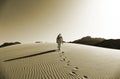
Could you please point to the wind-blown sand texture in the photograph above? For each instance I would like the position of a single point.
(42, 61)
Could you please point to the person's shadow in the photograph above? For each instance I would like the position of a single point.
(36, 54)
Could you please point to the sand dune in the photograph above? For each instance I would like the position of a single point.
(42, 61)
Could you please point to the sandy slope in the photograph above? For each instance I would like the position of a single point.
(96, 63)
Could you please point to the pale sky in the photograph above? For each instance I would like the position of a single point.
(28, 21)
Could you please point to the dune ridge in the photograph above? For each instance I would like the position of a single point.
(96, 63)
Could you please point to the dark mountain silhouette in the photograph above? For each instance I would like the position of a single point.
(100, 42)
(111, 43)
(89, 40)
(9, 44)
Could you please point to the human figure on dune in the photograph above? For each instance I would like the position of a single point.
(59, 41)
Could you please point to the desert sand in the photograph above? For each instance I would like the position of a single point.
(44, 61)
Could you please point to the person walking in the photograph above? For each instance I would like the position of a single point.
(59, 41)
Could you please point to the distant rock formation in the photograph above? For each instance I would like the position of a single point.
(38, 42)
(100, 42)
(88, 40)
(111, 43)
(9, 44)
